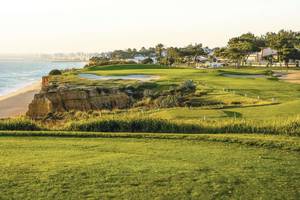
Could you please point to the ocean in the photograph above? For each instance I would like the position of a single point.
(16, 74)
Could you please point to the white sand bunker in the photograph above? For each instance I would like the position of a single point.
(126, 77)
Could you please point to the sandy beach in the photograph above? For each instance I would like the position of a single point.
(16, 103)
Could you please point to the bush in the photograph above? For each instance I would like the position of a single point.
(147, 61)
(168, 101)
(187, 87)
(55, 72)
(269, 72)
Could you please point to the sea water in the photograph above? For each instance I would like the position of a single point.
(16, 74)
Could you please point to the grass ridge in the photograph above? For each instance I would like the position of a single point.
(256, 140)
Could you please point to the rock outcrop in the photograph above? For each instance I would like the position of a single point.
(61, 99)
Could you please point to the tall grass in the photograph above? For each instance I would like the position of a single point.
(132, 125)
(142, 124)
(290, 126)
(279, 127)
(19, 124)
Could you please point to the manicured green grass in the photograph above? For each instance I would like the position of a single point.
(130, 168)
(259, 112)
(258, 140)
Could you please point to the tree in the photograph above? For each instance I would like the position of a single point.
(158, 50)
(239, 48)
(191, 52)
(285, 43)
(290, 54)
(172, 56)
(220, 52)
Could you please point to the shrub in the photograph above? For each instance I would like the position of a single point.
(147, 61)
(55, 72)
(187, 87)
(168, 101)
(269, 72)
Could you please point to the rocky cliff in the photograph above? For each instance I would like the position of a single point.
(54, 99)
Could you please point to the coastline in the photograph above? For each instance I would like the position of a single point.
(16, 103)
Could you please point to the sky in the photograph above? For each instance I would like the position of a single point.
(49, 26)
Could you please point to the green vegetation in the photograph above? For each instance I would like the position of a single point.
(140, 124)
(168, 145)
(254, 140)
(128, 122)
(215, 92)
(230, 133)
(129, 168)
(147, 61)
(188, 101)
(19, 124)
(284, 44)
(55, 72)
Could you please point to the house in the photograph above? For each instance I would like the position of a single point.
(268, 52)
(260, 57)
(201, 59)
(139, 58)
(215, 65)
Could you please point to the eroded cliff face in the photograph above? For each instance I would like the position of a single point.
(61, 99)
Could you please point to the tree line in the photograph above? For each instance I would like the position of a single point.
(237, 51)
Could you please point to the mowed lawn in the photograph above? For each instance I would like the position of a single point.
(107, 168)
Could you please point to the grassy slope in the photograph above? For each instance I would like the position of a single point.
(130, 168)
(74, 165)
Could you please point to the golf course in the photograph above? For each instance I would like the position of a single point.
(235, 135)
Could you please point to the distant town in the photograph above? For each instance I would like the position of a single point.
(272, 49)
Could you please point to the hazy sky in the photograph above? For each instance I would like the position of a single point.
(45, 26)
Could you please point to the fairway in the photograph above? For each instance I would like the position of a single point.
(129, 168)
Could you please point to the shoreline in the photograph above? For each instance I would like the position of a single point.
(16, 103)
